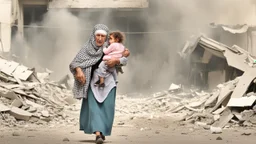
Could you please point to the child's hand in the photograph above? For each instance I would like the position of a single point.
(126, 53)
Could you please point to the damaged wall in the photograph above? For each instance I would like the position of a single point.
(154, 36)
(98, 4)
(5, 25)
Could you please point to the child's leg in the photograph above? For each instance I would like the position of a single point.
(102, 72)
(115, 75)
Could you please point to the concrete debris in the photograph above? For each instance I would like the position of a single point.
(246, 133)
(4, 108)
(15, 134)
(215, 130)
(30, 97)
(174, 87)
(212, 110)
(65, 139)
(20, 114)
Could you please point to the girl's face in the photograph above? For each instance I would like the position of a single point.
(112, 39)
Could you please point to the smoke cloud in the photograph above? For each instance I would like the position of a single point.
(161, 30)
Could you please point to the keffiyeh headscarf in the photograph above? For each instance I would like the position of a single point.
(88, 56)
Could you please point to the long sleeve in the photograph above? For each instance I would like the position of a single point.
(109, 49)
(123, 61)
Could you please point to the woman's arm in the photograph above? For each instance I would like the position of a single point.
(123, 60)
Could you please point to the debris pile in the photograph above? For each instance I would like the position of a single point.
(212, 111)
(28, 97)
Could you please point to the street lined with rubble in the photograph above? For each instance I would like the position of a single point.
(36, 109)
(190, 78)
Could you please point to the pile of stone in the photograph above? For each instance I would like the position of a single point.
(29, 97)
(212, 110)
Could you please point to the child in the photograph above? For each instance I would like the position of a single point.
(115, 50)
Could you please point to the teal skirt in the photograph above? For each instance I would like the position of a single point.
(98, 117)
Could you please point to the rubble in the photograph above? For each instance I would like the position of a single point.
(30, 97)
(213, 111)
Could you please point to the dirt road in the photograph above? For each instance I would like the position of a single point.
(127, 131)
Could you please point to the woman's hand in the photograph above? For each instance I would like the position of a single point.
(126, 53)
(80, 76)
(112, 62)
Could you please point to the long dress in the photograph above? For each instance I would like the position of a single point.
(95, 116)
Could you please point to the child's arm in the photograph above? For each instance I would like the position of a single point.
(109, 49)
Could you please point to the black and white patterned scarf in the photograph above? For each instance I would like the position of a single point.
(88, 56)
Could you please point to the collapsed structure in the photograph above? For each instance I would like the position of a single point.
(213, 63)
(28, 96)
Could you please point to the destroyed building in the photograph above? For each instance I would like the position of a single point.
(21, 13)
(241, 35)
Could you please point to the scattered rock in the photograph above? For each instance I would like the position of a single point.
(247, 114)
(247, 124)
(15, 134)
(215, 130)
(246, 133)
(145, 129)
(120, 123)
(65, 139)
(219, 138)
(45, 113)
(157, 132)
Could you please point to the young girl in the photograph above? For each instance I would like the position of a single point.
(115, 50)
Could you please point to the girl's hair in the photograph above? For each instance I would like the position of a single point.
(118, 35)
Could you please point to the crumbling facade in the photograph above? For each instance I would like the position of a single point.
(18, 13)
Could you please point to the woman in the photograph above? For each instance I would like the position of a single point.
(98, 105)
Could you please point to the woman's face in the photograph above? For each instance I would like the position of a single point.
(100, 39)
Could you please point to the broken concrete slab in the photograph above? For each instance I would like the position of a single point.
(242, 101)
(244, 82)
(22, 72)
(215, 130)
(212, 99)
(18, 80)
(225, 93)
(35, 105)
(10, 95)
(238, 115)
(17, 103)
(9, 67)
(174, 87)
(32, 110)
(20, 114)
(219, 111)
(45, 113)
(226, 116)
(18, 91)
(4, 108)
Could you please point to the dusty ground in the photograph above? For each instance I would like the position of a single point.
(129, 131)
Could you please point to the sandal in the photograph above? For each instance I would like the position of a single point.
(97, 83)
(103, 137)
(99, 140)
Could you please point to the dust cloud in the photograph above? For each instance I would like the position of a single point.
(161, 31)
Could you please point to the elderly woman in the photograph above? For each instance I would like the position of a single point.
(98, 105)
